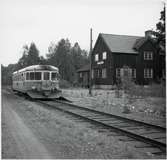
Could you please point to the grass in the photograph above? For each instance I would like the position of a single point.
(154, 90)
(147, 101)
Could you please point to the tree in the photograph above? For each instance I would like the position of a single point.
(160, 35)
(51, 51)
(33, 55)
(68, 59)
(30, 57)
(6, 73)
(23, 60)
(43, 61)
(79, 57)
(59, 56)
(160, 29)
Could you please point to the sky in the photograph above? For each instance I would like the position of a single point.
(46, 21)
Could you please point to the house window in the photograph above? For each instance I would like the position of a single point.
(96, 57)
(148, 73)
(118, 72)
(104, 55)
(148, 55)
(104, 73)
(133, 73)
(80, 75)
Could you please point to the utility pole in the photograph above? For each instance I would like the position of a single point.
(90, 54)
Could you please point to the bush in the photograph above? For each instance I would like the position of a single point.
(153, 90)
(157, 90)
(64, 84)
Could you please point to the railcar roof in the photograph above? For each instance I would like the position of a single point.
(38, 68)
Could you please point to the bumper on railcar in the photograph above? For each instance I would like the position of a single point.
(45, 94)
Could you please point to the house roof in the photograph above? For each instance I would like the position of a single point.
(139, 42)
(84, 68)
(121, 43)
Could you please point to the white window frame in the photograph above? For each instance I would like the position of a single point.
(148, 73)
(104, 55)
(96, 57)
(148, 55)
(104, 73)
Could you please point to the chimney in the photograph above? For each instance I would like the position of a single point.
(148, 34)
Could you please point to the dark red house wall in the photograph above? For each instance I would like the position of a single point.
(141, 63)
(108, 63)
(122, 59)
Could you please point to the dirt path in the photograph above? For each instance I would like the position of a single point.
(21, 141)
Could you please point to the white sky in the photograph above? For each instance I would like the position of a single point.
(43, 21)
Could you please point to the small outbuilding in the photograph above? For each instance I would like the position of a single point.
(83, 76)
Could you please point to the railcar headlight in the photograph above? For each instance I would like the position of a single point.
(33, 87)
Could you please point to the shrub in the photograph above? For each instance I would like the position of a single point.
(156, 90)
(126, 109)
(153, 90)
(64, 84)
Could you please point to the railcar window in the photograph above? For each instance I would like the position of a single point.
(46, 75)
(54, 76)
(27, 76)
(37, 75)
(32, 76)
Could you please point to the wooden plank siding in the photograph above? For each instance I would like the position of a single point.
(99, 48)
(141, 63)
(84, 79)
(121, 59)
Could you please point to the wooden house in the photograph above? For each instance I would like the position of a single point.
(112, 53)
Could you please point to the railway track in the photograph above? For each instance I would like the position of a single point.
(152, 136)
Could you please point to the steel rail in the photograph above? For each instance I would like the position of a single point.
(160, 145)
(113, 115)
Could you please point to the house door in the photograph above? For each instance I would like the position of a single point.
(126, 72)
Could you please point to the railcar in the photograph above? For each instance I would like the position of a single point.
(37, 81)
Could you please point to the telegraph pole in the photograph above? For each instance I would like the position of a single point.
(90, 54)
